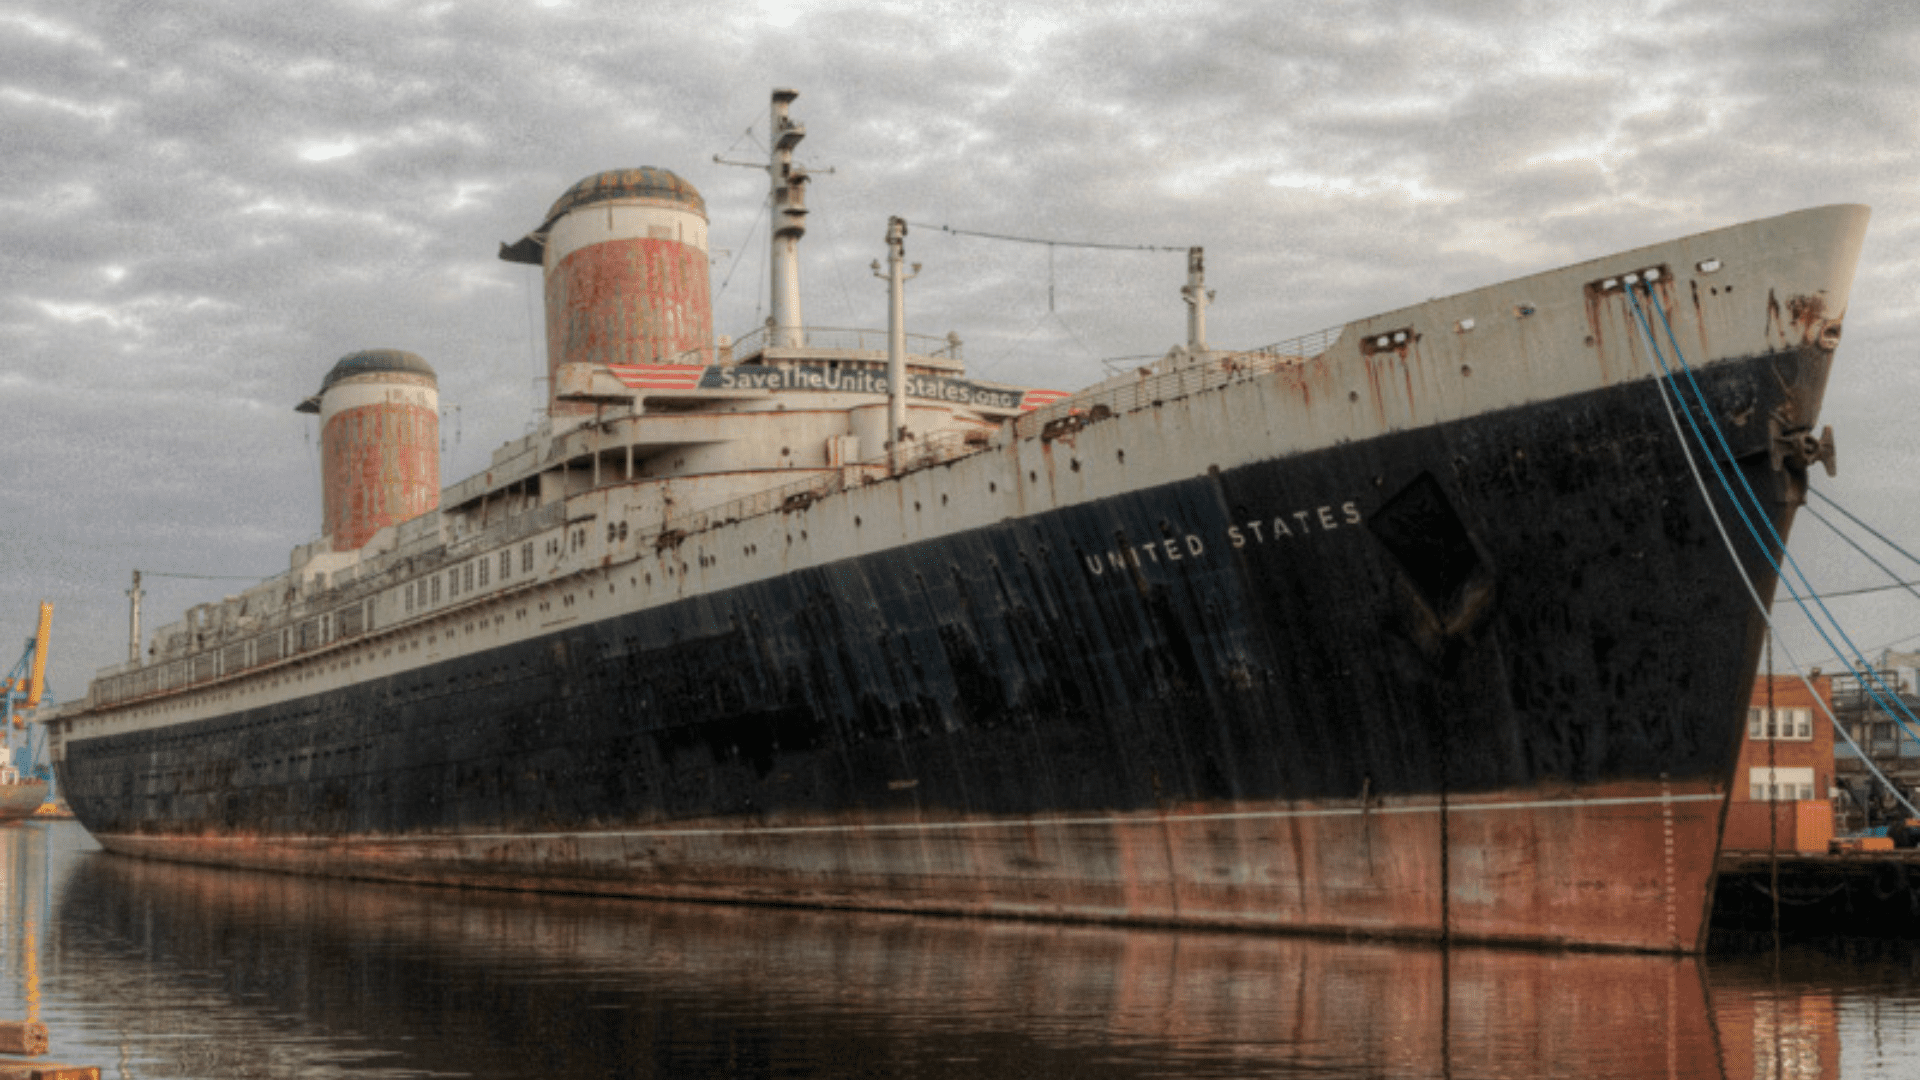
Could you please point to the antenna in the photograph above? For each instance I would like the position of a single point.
(787, 195)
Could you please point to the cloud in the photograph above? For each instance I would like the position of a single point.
(206, 205)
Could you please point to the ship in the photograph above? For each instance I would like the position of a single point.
(21, 795)
(1418, 627)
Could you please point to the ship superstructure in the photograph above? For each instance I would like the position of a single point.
(1415, 627)
(653, 431)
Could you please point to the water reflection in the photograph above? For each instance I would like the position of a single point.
(161, 971)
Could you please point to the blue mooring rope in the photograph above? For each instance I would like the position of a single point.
(1875, 687)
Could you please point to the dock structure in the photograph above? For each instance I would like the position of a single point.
(1846, 894)
(28, 1039)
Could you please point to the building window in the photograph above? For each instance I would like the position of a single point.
(485, 566)
(409, 596)
(526, 557)
(469, 577)
(1795, 724)
(506, 565)
(1777, 785)
(436, 588)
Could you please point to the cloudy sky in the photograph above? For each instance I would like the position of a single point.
(206, 204)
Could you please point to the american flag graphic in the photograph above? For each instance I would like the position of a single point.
(1034, 399)
(658, 376)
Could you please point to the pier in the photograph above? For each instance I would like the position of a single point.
(1872, 893)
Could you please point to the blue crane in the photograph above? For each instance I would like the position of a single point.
(22, 767)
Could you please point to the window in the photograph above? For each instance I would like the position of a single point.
(526, 557)
(1796, 724)
(436, 588)
(506, 565)
(485, 565)
(409, 596)
(1770, 785)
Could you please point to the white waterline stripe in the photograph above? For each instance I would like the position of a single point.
(1002, 823)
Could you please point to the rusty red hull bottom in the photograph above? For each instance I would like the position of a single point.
(1625, 866)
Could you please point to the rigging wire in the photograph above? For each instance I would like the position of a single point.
(1669, 385)
(1095, 245)
(742, 253)
(1875, 533)
(1864, 590)
(1858, 664)
(1088, 349)
(746, 134)
(1052, 246)
(1855, 544)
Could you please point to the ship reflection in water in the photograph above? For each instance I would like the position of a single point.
(160, 971)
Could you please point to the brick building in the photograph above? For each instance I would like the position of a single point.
(1780, 789)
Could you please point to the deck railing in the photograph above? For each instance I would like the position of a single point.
(942, 447)
(1152, 389)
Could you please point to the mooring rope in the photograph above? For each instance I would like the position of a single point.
(1686, 448)
(1871, 678)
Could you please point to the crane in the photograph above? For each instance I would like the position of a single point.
(24, 782)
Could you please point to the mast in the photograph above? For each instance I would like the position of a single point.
(1196, 294)
(789, 196)
(897, 279)
(133, 629)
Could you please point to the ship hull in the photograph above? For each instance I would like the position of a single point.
(1539, 867)
(1483, 679)
(20, 800)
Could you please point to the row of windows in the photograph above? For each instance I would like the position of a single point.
(466, 578)
(232, 659)
(1795, 724)
(1779, 785)
(423, 594)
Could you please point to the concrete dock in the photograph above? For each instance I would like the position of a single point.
(1850, 894)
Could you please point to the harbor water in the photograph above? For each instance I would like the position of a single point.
(161, 971)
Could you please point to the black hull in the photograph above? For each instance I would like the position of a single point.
(1535, 599)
